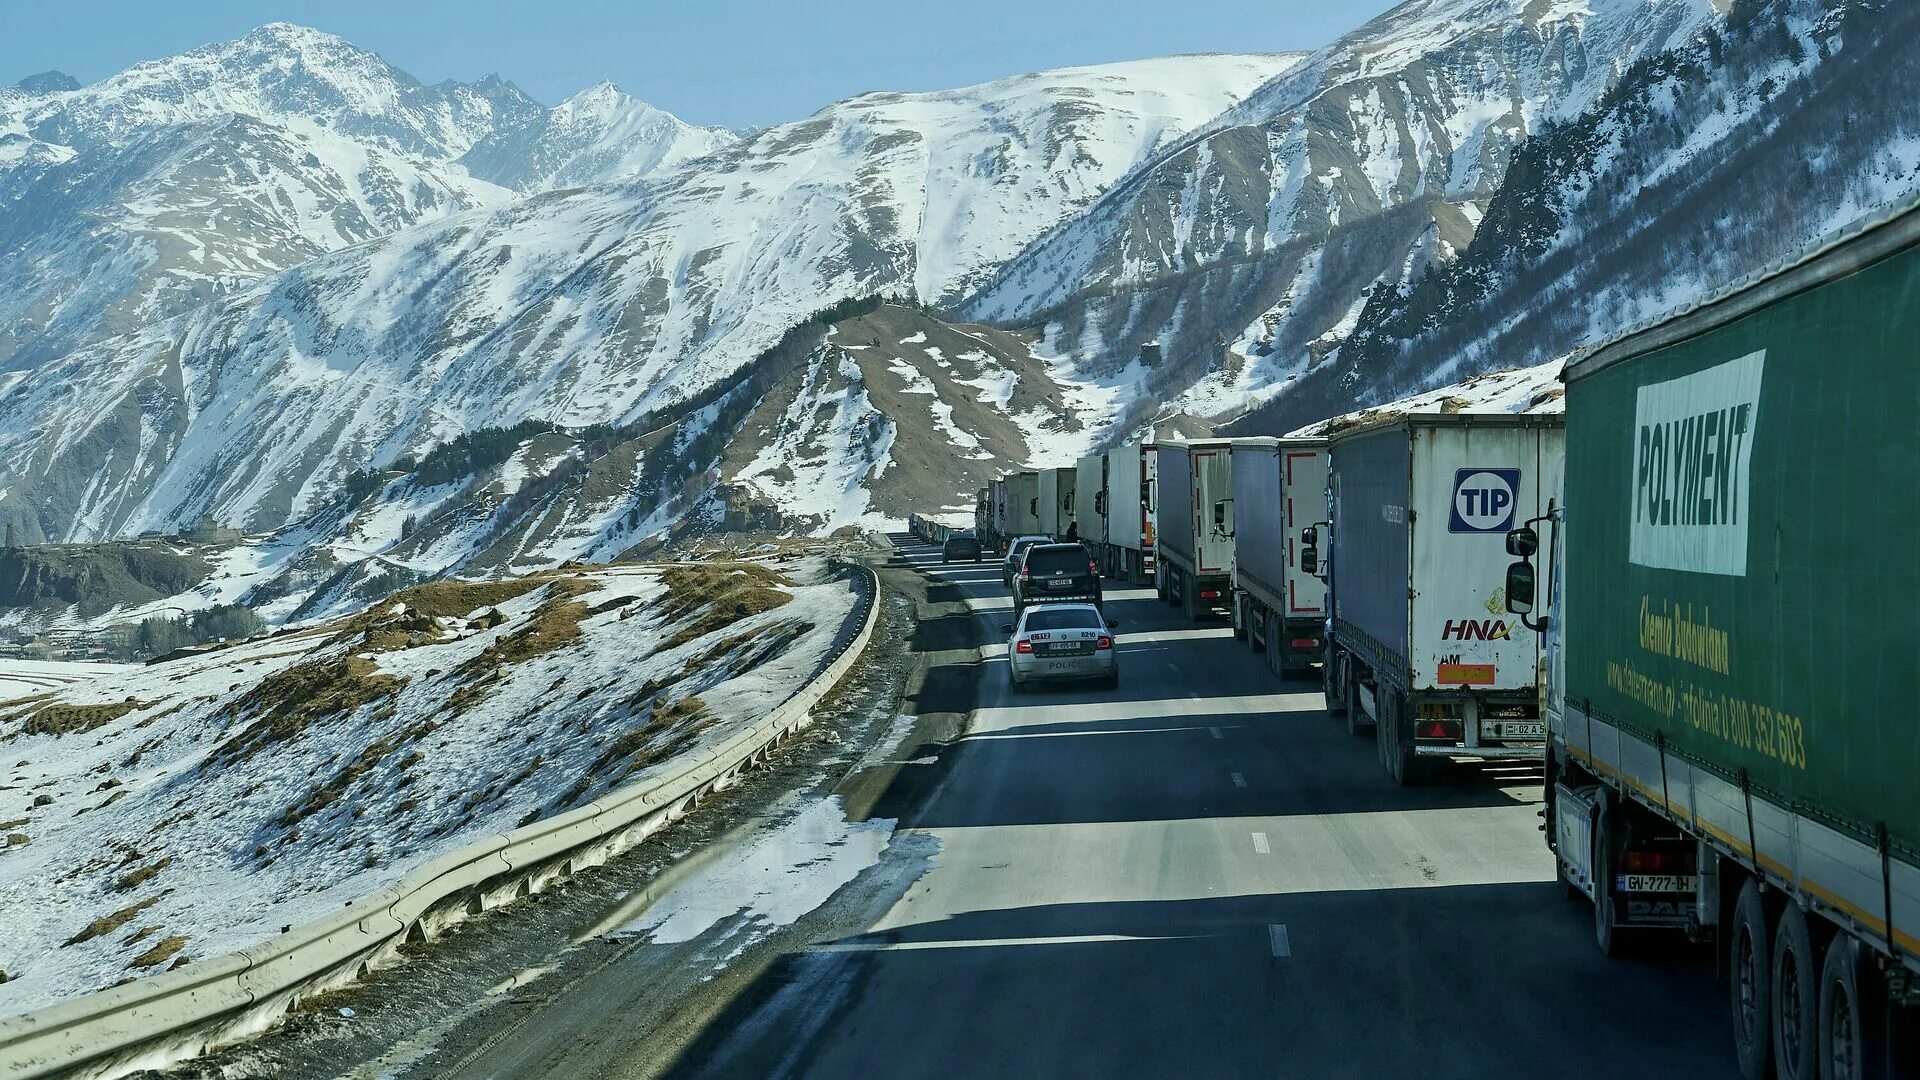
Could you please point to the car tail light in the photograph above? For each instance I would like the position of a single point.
(1655, 862)
(1437, 729)
(1105, 642)
(1023, 571)
(1023, 646)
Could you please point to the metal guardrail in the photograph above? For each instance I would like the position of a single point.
(154, 1022)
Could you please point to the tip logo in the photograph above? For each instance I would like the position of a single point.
(1484, 500)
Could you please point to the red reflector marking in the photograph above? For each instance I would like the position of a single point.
(1209, 594)
(1471, 674)
(1305, 643)
(1436, 729)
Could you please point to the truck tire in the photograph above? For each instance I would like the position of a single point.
(1796, 995)
(1332, 685)
(1849, 1040)
(1749, 982)
(1608, 936)
(1276, 652)
(1358, 722)
(1238, 619)
(1402, 764)
(1190, 598)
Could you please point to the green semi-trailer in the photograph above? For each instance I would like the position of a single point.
(1733, 668)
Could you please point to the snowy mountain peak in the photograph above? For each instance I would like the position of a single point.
(47, 82)
(600, 134)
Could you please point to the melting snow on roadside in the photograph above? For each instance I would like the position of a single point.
(772, 879)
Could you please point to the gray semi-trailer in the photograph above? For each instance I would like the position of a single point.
(1193, 525)
(1279, 489)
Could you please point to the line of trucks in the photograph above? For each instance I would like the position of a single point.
(1692, 597)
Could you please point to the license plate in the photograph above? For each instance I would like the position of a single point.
(1663, 883)
(1063, 647)
(1064, 583)
(1513, 729)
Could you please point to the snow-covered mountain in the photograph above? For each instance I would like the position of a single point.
(1460, 186)
(1627, 211)
(182, 179)
(596, 135)
(1246, 248)
(578, 306)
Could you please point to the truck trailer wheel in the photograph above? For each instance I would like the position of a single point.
(1237, 615)
(1850, 1047)
(1796, 990)
(1749, 979)
(1190, 598)
(1331, 687)
(1608, 936)
(1396, 747)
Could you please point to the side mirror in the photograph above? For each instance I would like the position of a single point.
(1113, 624)
(1219, 515)
(1520, 585)
(1006, 628)
(1523, 542)
(1310, 537)
(1310, 560)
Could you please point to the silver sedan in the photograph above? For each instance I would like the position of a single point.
(1058, 642)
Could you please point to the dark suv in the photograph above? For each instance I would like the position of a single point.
(962, 544)
(1056, 572)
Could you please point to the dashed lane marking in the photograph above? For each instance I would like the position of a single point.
(1260, 844)
(1215, 732)
(1238, 780)
(1277, 940)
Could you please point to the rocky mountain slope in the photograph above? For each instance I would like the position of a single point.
(1628, 210)
(578, 306)
(182, 179)
(1247, 248)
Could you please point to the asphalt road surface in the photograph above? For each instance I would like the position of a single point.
(1199, 874)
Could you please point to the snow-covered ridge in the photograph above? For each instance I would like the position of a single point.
(184, 178)
(1372, 159)
(580, 306)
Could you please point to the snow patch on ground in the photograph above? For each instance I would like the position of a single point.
(776, 876)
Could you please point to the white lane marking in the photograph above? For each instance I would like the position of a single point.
(1215, 732)
(1277, 939)
(981, 943)
(1260, 844)
(1238, 780)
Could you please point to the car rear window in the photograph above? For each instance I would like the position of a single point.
(1072, 560)
(1064, 618)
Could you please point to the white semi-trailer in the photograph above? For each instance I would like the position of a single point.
(1023, 504)
(1129, 505)
(1279, 489)
(1090, 504)
(1423, 649)
(1193, 525)
(1055, 505)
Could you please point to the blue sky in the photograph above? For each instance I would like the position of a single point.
(733, 62)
